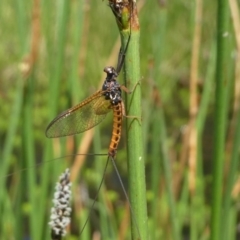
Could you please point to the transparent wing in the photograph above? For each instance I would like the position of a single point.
(80, 118)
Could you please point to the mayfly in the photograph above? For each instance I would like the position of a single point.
(93, 110)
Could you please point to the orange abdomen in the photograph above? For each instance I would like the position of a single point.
(117, 128)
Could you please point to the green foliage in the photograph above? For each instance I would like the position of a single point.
(40, 77)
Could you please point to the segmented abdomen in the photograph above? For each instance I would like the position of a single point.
(117, 128)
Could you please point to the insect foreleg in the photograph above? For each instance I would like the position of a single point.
(126, 90)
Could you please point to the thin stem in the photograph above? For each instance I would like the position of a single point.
(136, 169)
(168, 176)
(234, 133)
(220, 116)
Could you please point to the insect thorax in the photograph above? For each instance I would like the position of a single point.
(111, 88)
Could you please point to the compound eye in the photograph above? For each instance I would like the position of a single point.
(107, 70)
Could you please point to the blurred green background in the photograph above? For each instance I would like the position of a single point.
(52, 55)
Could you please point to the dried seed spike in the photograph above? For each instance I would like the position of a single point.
(60, 212)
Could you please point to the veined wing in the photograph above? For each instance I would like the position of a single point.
(80, 118)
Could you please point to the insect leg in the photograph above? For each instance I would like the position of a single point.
(127, 116)
(126, 195)
(126, 90)
(122, 55)
(96, 196)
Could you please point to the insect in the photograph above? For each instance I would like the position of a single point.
(93, 110)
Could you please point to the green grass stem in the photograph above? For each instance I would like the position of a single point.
(28, 156)
(220, 116)
(234, 162)
(167, 170)
(9, 142)
(156, 162)
(136, 159)
(207, 90)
